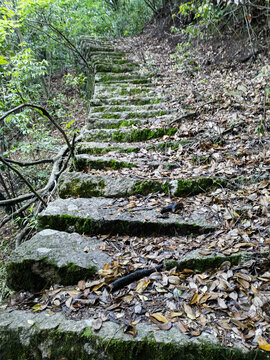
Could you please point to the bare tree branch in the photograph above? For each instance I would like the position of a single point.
(45, 113)
(26, 163)
(23, 178)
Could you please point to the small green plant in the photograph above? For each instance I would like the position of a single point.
(185, 57)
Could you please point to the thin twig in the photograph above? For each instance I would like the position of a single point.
(23, 178)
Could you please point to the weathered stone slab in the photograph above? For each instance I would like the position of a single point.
(128, 135)
(127, 100)
(100, 162)
(102, 216)
(114, 68)
(129, 108)
(53, 257)
(84, 161)
(84, 185)
(100, 123)
(108, 77)
(32, 336)
(98, 148)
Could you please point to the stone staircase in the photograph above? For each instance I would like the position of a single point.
(126, 142)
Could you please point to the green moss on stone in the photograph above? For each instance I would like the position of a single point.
(89, 345)
(121, 124)
(137, 135)
(81, 188)
(101, 164)
(91, 226)
(20, 275)
(195, 186)
(203, 263)
(105, 150)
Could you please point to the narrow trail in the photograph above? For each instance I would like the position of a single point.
(117, 213)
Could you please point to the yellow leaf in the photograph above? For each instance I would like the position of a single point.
(265, 347)
(194, 299)
(176, 314)
(142, 285)
(159, 317)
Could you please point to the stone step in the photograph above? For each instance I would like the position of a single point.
(100, 215)
(113, 68)
(98, 148)
(85, 185)
(118, 123)
(111, 92)
(106, 60)
(31, 336)
(126, 100)
(127, 108)
(54, 257)
(108, 77)
(128, 135)
(85, 161)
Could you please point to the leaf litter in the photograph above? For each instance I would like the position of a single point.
(231, 303)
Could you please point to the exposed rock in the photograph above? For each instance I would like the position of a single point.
(53, 257)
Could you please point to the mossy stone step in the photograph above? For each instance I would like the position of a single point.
(53, 257)
(98, 148)
(197, 261)
(128, 135)
(130, 108)
(125, 100)
(86, 186)
(107, 60)
(115, 123)
(100, 215)
(84, 161)
(113, 68)
(108, 77)
(111, 92)
(36, 336)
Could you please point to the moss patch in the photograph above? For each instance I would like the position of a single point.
(198, 185)
(101, 164)
(91, 226)
(79, 188)
(105, 150)
(137, 135)
(20, 276)
(203, 263)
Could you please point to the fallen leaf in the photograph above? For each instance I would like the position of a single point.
(159, 317)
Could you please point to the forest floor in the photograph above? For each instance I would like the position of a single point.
(222, 104)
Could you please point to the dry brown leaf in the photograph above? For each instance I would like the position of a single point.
(159, 317)
(165, 326)
(181, 327)
(189, 311)
(81, 284)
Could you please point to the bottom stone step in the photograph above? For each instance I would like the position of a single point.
(31, 336)
(53, 257)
